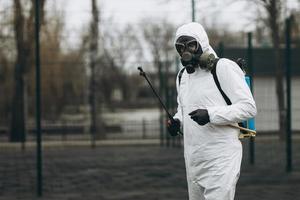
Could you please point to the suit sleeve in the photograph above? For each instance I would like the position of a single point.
(233, 83)
(178, 114)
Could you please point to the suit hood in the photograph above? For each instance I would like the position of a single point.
(196, 31)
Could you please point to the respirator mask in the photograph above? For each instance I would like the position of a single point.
(192, 55)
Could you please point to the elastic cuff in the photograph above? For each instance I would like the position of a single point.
(211, 111)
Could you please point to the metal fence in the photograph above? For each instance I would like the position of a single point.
(133, 129)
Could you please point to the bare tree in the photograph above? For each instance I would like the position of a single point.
(123, 43)
(115, 47)
(296, 27)
(63, 72)
(274, 21)
(6, 63)
(119, 50)
(94, 37)
(122, 47)
(229, 38)
(159, 37)
(24, 38)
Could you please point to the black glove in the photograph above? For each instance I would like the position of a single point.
(173, 127)
(200, 116)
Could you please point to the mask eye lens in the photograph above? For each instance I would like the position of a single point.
(192, 46)
(180, 47)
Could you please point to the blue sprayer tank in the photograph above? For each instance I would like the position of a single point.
(250, 123)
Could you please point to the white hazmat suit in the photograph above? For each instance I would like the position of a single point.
(212, 152)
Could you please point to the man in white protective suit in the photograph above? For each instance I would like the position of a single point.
(212, 149)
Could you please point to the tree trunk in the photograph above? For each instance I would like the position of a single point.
(280, 95)
(96, 122)
(24, 32)
(17, 133)
(274, 9)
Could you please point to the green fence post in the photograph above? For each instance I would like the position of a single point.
(161, 117)
(193, 10)
(250, 73)
(172, 105)
(144, 128)
(38, 101)
(167, 99)
(289, 166)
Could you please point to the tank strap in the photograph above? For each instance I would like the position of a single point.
(214, 73)
(180, 74)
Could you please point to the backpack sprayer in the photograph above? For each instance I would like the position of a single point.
(249, 132)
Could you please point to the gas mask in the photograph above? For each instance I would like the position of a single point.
(192, 55)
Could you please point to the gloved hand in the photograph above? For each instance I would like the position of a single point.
(173, 127)
(200, 116)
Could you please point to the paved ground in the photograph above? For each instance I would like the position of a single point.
(148, 172)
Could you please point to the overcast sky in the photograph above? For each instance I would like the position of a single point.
(130, 11)
(177, 11)
(233, 16)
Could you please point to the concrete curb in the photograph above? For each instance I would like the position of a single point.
(100, 143)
